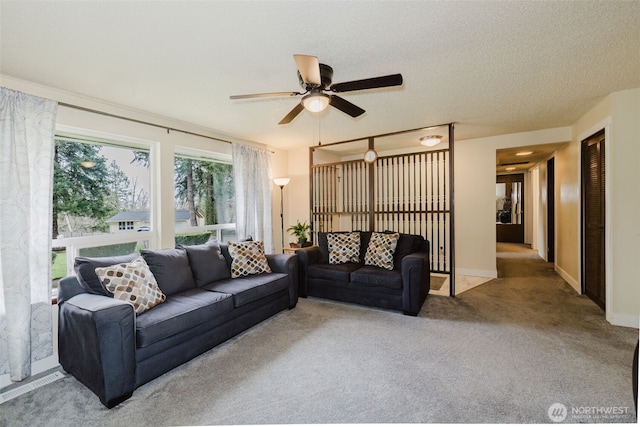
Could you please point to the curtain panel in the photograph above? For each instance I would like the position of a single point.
(252, 180)
(27, 125)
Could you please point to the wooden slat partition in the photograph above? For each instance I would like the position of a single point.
(410, 194)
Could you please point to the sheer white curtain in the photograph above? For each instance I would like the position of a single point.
(26, 168)
(252, 180)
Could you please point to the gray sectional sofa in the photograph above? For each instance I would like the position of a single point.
(404, 287)
(112, 351)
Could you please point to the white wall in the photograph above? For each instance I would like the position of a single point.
(619, 115)
(475, 173)
(624, 179)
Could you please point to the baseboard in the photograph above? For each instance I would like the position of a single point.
(627, 320)
(567, 278)
(36, 368)
(492, 274)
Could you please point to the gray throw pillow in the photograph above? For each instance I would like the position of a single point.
(207, 262)
(171, 269)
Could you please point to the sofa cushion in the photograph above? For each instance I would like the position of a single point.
(339, 273)
(343, 247)
(248, 289)
(180, 312)
(85, 269)
(376, 276)
(132, 282)
(380, 250)
(248, 258)
(207, 262)
(407, 244)
(170, 268)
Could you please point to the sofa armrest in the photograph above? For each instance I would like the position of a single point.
(97, 345)
(308, 256)
(416, 278)
(69, 287)
(288, 264)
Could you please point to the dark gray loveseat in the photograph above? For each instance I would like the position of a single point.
(111, 350)
(404, 288)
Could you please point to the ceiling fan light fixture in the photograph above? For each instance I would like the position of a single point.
(431, 140)
(87, 164)
(315, 102)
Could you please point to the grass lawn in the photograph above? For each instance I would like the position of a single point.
(59, 268)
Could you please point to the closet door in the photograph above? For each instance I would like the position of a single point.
(593, 218)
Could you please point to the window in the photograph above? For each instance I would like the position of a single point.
(100, 196)
(204, 198)
(125, 225)
(98, 188)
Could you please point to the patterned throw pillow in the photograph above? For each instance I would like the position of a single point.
(381, 248)
(247, 258)
(343, 247)
(132, 282)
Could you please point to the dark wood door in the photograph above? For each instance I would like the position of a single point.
(551, 209)
(593, 218)
(510, 208)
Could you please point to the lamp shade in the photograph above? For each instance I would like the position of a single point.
(431, 140)
(281, 182)
(315, 102)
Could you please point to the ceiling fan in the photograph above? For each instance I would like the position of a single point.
(315, 79)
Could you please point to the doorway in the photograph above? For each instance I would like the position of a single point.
(510, 208)
(593, 218)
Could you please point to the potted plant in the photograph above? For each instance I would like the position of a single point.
(300, 230)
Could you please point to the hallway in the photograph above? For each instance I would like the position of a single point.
(531, 318)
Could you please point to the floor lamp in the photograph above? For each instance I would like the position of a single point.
(281, 182)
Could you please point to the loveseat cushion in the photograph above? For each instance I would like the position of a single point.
(207, 262)
(180, 312)
(250, 288)
(343, 247)
(376, 276)
(339, 273)
(171, 269)
(85, 269)
(380, 250)
(407, 244)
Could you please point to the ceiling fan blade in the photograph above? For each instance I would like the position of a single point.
(264, 95)
(372, 83)
(345, 106)
(292, 114)
(309, 68)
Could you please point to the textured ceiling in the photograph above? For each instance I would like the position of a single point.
(491, 67)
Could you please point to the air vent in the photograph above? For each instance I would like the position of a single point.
(18, 391)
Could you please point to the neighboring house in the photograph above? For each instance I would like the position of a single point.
(139, 220)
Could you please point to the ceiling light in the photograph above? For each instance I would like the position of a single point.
(524, 153)
(87, 164)
(315, 102)
(431, 140)
(510, 168)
